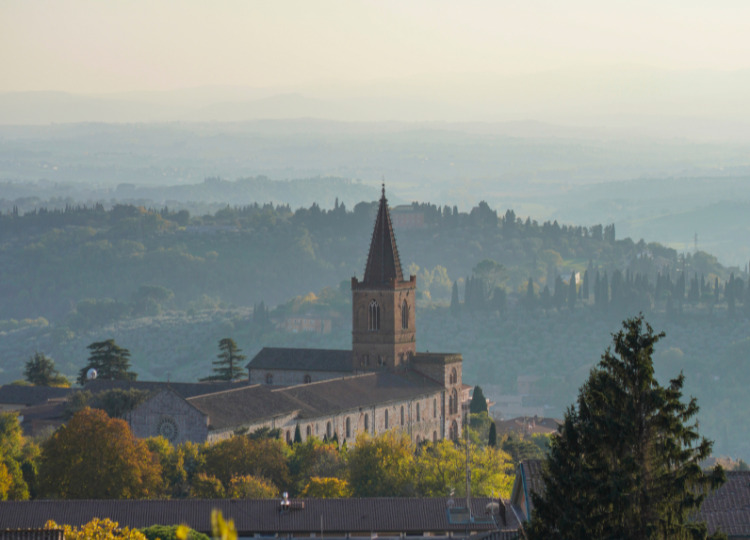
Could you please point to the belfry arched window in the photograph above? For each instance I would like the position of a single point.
(373, 318)
(404, 315)
(454, 376)
(454, 401)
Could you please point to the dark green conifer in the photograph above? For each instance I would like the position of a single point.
(478, 401)
(626, 462)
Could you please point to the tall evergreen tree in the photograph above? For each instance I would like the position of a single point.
(227, 366)
(626, 463)
(110, 361)
(478, 401)
(455, 304)
(492, 437)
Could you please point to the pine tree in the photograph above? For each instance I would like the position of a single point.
(227, 367)
(40, 370)
(626, 463)
(110, 361)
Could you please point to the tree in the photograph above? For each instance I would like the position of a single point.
(110, 361)
(94, 456)
(478, 401)
(626, 461)
(326, 488)
(455, 304)
(382, 466)
(40, 370)
(227, 367)
(248, 486)
(492, 437)
(101, 529)
(297, 435)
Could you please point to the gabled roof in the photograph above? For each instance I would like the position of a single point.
(528, 480)
(263, 516)
(17, 394)
(728, 508)
(383, 263)
(233, 408)
(302, 359)
(184, 390)
(336, 395)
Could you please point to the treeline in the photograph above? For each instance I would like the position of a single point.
(95, 456)
(100, 265)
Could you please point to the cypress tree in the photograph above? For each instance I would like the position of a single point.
(455, 304)
(297, 435)
(626, 462)
(572, 292)
(478, 401)
(492, 438)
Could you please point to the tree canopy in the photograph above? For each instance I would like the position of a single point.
(94, 456)
(40, 370)
(626, 463)
(227, 367)
(110, 361)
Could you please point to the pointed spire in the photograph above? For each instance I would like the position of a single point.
(383, 263)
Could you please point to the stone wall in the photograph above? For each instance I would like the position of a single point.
(170, 416)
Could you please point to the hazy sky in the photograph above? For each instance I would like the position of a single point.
(112, 46)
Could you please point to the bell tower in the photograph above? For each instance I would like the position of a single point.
(383, 304)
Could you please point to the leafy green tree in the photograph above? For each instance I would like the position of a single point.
(626, 462)
(110, 361)
(248, 486)
(16, 453)
(239, 456)
(478, 401)
(169, 532)
(227, 367)
(40, 370)
(313, 458)
(382, 466)
(206, 486)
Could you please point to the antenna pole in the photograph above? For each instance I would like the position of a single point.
(468, 472)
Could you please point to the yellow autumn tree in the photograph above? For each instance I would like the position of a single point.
(94, 456)
(326, 488)
(100, 529)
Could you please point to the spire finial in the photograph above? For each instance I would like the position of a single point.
(383, 187)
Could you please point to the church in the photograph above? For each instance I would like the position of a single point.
(382, 383)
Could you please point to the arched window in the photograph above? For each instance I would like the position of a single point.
(308, 379)
(328, 430)
(269, 378)
(348, 428)
(373, 319)
(288, 437)
(404, 315)
(386, 419)
(454, 376)
(418, 415)
(434, 408)
(367, 422)
(402, 415)
(309, 431)
(454, 431)
(434, 436)
(454, 400)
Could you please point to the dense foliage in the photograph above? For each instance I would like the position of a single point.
(627, 461)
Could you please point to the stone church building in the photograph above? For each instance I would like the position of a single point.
(382, 383)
